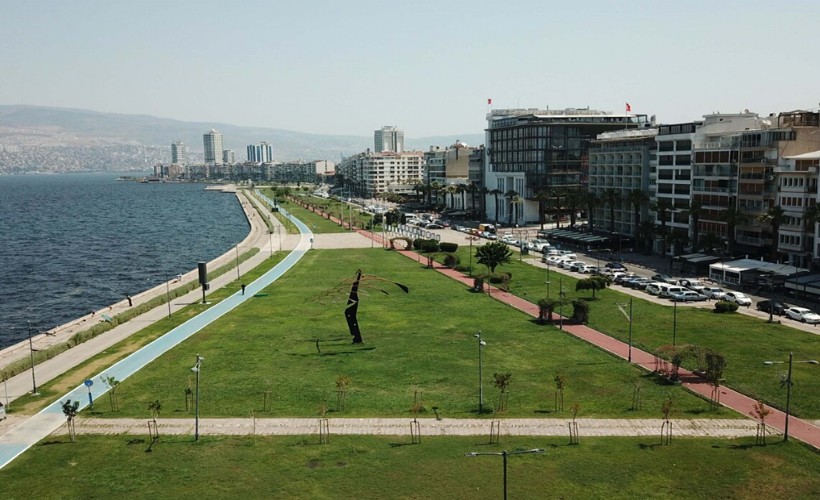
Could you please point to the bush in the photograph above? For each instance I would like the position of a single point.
(429, 246)
(463, 269)
(499, 278)
(451, 260)
(724, 306)
(448, 247)
(580, 311)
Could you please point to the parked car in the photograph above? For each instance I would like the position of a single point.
(714, 292)
(616, 266)
(433, 225)
(690, 283)
(665, 278)
(668, 290)
(687, 296)
(638, 283)
(620, 278)
(772, 307)
(803, 315)
(739, 298)
(589, 269)
(568, 263)
(653, 288)
(577, 266)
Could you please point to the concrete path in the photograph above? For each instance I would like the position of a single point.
(724, 428)
(27, 433)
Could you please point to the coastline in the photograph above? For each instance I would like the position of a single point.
(64, 332)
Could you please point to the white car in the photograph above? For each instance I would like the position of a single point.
(803, 315)
(588, 269)
(738, 298)
(687, 296)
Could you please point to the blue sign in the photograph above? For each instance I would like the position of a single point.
(89, 383)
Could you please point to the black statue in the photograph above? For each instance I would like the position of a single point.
(353, 302)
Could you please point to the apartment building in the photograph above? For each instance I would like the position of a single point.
(368, 173)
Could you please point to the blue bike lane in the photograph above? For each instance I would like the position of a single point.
(26, 434)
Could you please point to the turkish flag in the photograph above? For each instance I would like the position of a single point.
(489, 101)
(628, 108)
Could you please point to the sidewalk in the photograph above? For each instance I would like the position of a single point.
(725, 428)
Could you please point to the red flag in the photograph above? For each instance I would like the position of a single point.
(489, 101)
(628, 108)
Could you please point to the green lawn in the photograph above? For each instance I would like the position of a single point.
(418, 342)
(745, 341)
(388, 467)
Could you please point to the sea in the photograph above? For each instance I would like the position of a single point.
(75, 243)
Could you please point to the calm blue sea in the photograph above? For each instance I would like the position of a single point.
(73, 243)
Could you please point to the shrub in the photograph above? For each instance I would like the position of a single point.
(724, 306)
(448, 247)
(429, 246)
(451, 260)
(580, 311)
(463, 269)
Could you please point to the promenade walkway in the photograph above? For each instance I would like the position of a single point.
(33, 429)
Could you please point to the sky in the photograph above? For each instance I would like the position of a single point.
(350, 67)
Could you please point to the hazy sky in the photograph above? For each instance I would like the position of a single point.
(350, 66)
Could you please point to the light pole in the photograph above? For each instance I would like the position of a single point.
(168, 294)
(471, 238)
(674, 322)
(561, 303)
(547, 282)
(629, 317)
(481, 344)
(31, 352)
(238, 277)
(270, 238)
(504, 454)
(196, 369)
(788, 383)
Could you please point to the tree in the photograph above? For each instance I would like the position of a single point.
(545, 309)
(462, 190)
(695, 210)
(810, 218)
(662, 207)
(732, 217)
(511, 196)
(638, 199)
(775, 216)
(560, 384)
(483, 192)
(573, 199)
(112, 384)
(557, 194)
(451, 190)
(591, 201)
(580, 311)
(542, 197)
(493, 254)
(495, 193)
(70, 411)
(611, 197)
(592, 283)
(646, 233)
(502, 382)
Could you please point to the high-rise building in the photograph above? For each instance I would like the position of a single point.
(179, 153)
(388, 139)
(212, 142)
(263, 153)
(228, 157)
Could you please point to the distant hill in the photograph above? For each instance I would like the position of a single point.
(23, 127)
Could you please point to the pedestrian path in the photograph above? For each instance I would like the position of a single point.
(21, 437)
(719, 428)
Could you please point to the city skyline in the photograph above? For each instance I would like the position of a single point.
(414, 66)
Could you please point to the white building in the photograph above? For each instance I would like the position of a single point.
(262, 153)
(179, 153)
(386, 172)
(388, 139)
(212, 143)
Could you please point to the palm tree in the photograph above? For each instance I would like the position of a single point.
(493, 254)
(810, 218)
(573, 200)
(638, 199)
(662, 207)
(495, 193)
(472, 189)
(610, 197)
(695, 210)
(646, 234)
(591, 201)
(557, 194)
(511, 195)
(418, 188)
(462, 190)
(451, 190)
(483, 191)
(732, 217)
(435, 188)
(542, 197)
(774, 217)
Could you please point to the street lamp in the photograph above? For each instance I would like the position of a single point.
(788, 383)
(547, 282)
(270, 238)
(621, 307)
(471, 238)
(504, 455)
(238, 278)
(481, 344)
(674, 322)
(168, 294)
(31, 352)
(196, 369)
(561, 295)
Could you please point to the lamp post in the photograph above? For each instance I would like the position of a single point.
(31, 352)
(504, 454)
(561, 303)
(547, 282)
(622, 307)
(196, 369)
(270, 238)
(674, 322)
(481, 344)
(238, 277)
(471, 238)
(168, 295)
(788, 383)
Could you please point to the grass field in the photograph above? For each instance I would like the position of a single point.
(388, 467)
(745, 341)
(421, 342)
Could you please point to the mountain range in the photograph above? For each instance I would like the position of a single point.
(25, 128)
